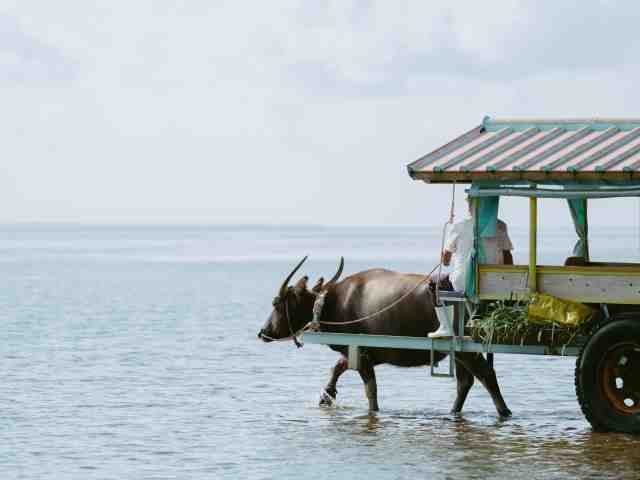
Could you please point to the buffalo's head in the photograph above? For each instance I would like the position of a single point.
(293, 306)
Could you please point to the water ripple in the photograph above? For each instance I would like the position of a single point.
(116, 367)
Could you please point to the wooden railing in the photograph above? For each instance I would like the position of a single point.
(595, 283)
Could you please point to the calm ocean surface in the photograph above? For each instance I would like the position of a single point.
(131, 353)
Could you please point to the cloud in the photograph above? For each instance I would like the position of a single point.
(24, 60)
(301, 112)
(380, 50)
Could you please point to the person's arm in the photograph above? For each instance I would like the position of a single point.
(450, 246)
(505, 244)
(446, 257)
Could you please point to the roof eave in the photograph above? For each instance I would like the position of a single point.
(425, 160)
(470, 177)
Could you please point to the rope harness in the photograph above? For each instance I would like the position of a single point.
(317, 312)
(283, 339)
(297, 342)
(293, 335)
(316, 319)
(318, 305)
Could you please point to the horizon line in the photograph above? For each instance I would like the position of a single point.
(203, 224)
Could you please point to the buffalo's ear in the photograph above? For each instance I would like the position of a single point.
(301, 285)
(317, 288)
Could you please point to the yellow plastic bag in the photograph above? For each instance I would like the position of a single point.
(546, 309)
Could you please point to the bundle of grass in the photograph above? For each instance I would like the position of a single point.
(509, 322)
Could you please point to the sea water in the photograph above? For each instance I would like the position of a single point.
(130, 352)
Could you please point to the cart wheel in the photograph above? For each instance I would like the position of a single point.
(608, 377)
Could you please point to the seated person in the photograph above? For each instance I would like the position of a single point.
(458, 247)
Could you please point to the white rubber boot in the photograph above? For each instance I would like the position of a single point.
(445, 317)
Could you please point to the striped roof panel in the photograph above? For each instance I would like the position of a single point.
(536, 149)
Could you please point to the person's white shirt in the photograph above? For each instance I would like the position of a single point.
(460, 242)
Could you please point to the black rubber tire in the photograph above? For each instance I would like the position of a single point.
(595, 405)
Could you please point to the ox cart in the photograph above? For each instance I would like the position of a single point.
(572, 161)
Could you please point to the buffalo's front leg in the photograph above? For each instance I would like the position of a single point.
(328, 396)
(480, 368)
(464, 380)
(368, 376)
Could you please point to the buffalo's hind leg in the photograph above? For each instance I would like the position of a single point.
(464, 380)
(477, 365)
(328, 395)
(368, 375)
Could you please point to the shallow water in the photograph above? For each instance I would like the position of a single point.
(132, 353)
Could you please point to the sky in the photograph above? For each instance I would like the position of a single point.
(285, 112)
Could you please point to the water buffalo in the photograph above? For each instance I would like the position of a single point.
(363, 294)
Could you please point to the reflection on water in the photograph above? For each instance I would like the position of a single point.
(465, 446)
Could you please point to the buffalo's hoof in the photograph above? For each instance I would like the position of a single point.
(328, 397)
(505, 413)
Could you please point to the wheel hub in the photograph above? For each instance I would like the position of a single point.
(620, 371)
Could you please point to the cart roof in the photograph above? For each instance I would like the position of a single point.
(537, 150)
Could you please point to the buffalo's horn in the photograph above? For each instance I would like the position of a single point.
(285, 284)
(338, 273)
